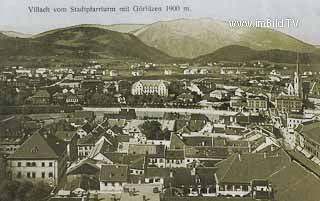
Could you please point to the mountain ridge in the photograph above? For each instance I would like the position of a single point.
(238, 53)
(82, 42)
(191, 38)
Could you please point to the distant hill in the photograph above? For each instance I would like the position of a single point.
(16, 34)
(79, 43)
(191, 38)
(123, 28)
(238, 53)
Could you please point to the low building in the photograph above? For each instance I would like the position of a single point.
(246, 175)
(10, 145)
(113, 178)
(41, 97)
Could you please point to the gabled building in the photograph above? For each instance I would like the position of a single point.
(308, 140)
(41, 97)
(113, 178)
(246, 175)
(150, 87)
(40, 158)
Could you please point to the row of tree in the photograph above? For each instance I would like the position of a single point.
(23, 191)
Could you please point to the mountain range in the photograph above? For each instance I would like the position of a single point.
(191, 38)
(81, 43)
(197, 40)
(237, 53)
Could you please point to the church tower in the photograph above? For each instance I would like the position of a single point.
(297, 82)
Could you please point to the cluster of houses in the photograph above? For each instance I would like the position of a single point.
(112, 154)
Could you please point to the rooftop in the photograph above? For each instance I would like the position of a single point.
(40, 146)
(114, 173)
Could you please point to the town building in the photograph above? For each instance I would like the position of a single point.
(246, 175)
(308, 140)
(41, 157)
(150, 87)
(41, 97)
(113, 178)
(257, 103)
(289, 104)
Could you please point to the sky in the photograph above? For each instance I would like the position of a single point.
(15, 15)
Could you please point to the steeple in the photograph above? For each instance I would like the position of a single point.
(297, 78)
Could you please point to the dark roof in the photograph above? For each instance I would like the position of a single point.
(66, 135)
(150, 149)
(206, 152)
(114, 173)
(198, 141)
(115, 157)
(175, 154)
(176, 142)
(201, 117)
(40, 147)
(87, 167)
(157, 172)
(88, 140)
(247, 167)
(84, 182)
(260, 182)
(41, 94)
(310, 130)
(87, 127)
(116, 129)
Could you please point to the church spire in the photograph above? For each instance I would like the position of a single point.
(297, 78)
(297, 64)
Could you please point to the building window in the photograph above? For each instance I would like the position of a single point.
(34, 164)
(33, 175)
(50, 164)
(19, 164)
(43, 175)
(43, 164)
(19, 175)
(28, 174)
(28, 164)
(50, 174)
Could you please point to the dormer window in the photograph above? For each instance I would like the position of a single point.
(34, 150)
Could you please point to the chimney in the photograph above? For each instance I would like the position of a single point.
(239, 157)
(272, 148)
(193, 171)
(171, 173)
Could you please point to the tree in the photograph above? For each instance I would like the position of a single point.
(38, 192)
(152, 130)
(23, 191)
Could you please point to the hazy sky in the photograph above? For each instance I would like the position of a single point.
(14, 14)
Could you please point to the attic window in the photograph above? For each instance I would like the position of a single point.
(34, 150)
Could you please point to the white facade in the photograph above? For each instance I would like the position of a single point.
(37, 170)
(150, 87)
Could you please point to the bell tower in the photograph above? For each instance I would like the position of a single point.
(297, 79)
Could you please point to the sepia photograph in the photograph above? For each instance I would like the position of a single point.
(148, 100)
